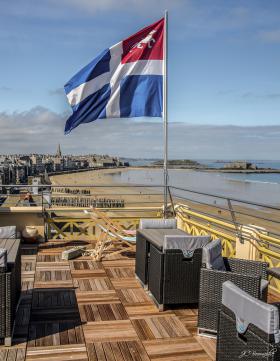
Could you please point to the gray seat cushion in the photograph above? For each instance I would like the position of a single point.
(158, 223)
(249, 310)
(212, 256)
(8, 232)
(188, 244)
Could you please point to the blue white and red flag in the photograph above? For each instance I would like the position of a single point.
(124, 81)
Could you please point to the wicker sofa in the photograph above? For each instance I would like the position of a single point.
(174, 270)
(251, 276)
(10, 282)
(248, 328)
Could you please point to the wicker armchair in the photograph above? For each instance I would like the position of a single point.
(250, 276)
(10, 281)
(248, 328)
(143, 247)
(174, 271)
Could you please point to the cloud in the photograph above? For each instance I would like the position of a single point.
(5, 89)
(272, 36)
(40, 130)
(137, 6)
(58, 91)
(256, 96)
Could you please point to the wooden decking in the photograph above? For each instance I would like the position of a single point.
(83, 310)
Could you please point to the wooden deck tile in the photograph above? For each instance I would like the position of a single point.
(209, 345)
(134, 296)
(109, 296)
(54, 333)
(120, 272)
(12, 354)
(86, 268)
(159, 327)
(188, 317)
(93, 284)
(122, 283)
(145, 310)
(121, 262)
(117, 351)
(175, 349)
(49, 258)
(54, 298)
(22, 323)
(57, 353)
(102, 312)
(53, 278)
(105, 331)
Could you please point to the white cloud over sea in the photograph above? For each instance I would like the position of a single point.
(40, 130)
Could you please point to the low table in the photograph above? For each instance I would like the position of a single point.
(10, 288)
(144, 239)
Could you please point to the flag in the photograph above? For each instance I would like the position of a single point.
(123, 81)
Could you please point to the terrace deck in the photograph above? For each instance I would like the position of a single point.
(87, 311)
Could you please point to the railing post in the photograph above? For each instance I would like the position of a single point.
(248, 249)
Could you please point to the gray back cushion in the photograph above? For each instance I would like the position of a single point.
(185, 243)
(3, 258)
(8, 232)
(158, 223)
(212, 255)
(249, 310)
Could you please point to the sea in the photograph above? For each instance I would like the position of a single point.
(255, 188)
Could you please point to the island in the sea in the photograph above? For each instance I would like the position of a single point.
(238, 166)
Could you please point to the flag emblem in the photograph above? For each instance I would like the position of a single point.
(125, 80)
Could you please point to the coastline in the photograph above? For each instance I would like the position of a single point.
(138, 197)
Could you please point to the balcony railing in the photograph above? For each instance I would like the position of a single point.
(247, 230)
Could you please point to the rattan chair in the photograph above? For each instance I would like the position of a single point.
(248, 328)
(10, 288)
(251, 276)
(174, 271)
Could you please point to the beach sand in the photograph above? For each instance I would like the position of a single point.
(102, 185)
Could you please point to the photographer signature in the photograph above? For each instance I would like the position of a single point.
(252, 353)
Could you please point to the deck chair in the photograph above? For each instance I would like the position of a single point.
(109, 221)
(113, 240)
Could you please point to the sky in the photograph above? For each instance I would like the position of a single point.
(223, 76)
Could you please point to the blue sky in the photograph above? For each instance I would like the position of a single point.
(224, 56)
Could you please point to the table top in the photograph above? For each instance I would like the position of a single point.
(156, 236)
(274, 272)
(12, 247)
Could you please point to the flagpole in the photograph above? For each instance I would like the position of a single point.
(165, 113)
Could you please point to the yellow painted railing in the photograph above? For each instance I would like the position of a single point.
(83, 227)
(256, 243)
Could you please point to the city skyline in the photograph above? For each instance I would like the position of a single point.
(223, 77)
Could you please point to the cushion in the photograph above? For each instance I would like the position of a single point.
(263, 287)
(3, 258)
(249, 310)
(158, 223)
(8, 232)
(187, 244)
(212, 256)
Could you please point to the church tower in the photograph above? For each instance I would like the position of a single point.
(58, 152)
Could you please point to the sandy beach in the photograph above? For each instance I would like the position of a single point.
(102, 184)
